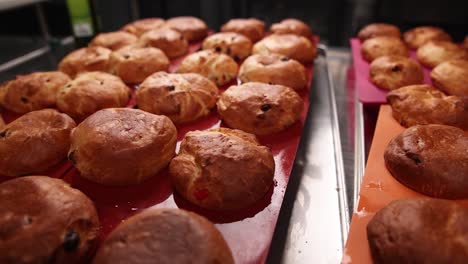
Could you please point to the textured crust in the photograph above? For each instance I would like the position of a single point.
(376, 47)
(273, 69)
(434, 53)
(431, 159)
(172, 42)
(44, 220)
(222, 169)
(252, 28)
(34, 91)
(192, 28)
(451, 77)
(90, 92)
(419, 36)
(113, 40)
(292, 26)
(166, 235)
(423, 104)
(141, 26)
(233, 44)
(182, 97)
(378, 30)
(134, 64)
(85, 60)
(34, 142)
(217, 67)
(392, 72)
(122, 146)
(260, 108)
(419, 230)
(289, 45)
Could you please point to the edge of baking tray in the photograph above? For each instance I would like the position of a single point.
(359, 148)
(314, 218)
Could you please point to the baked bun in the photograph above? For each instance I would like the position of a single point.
(431, 159)
(44, 220)
(85, 60)
(292, 26)
(273, 69)
(113, 40)
(90, 92)
(122, 146)
(233, 44)
(423, 104)
(451, 77)
(419, 36)
(33, 91)
(252, 28)
(376, 47)
(192, 28)
(260, 108)
(34, 142)
(419, 230)
(392, 72)
(170, 41)
(141, 26)
(289, 45)
(165, 236)
(222, 169)
(218, 67)
(134, 64)
(434, 53)
(182, 97)
(378, 30)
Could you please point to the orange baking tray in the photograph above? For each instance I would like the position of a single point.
(378, 188)
(248, 232)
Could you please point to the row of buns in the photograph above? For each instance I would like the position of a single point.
(430, 156)
(108, 143)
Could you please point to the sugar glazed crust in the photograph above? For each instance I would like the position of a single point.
(392, 72)
(252, 28)
(85, 60)
(292, 46)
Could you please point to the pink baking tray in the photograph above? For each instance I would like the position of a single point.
(367, 92)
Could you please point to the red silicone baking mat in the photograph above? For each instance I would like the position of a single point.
(378, 188)
(367, 92)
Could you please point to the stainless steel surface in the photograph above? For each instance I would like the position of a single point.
(10, 4)
(313, 222)
(23, 59)
(360, 152)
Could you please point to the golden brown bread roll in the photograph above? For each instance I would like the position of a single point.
(451, 77)
(122, 146)
(90, 92)
(273, 69)
(260, 108)
(419, 36)
(172, 42)
(434, 53)
(376, 47)
(218, 67)
(431, 159)
(291, 26)
(34, 142)
(165, 236)
(141, 26)
(377, 30)
(44, 220)
(252, 28)
(392, 72)
(423, 104)
(85, 60)
(182, 97)
(33, 91)
(289, 45)
(419, 230)
(133, 64)
(222, 169)
(113, 40)
(192, 28)
(233, 44)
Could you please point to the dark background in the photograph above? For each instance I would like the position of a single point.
(334, 20)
